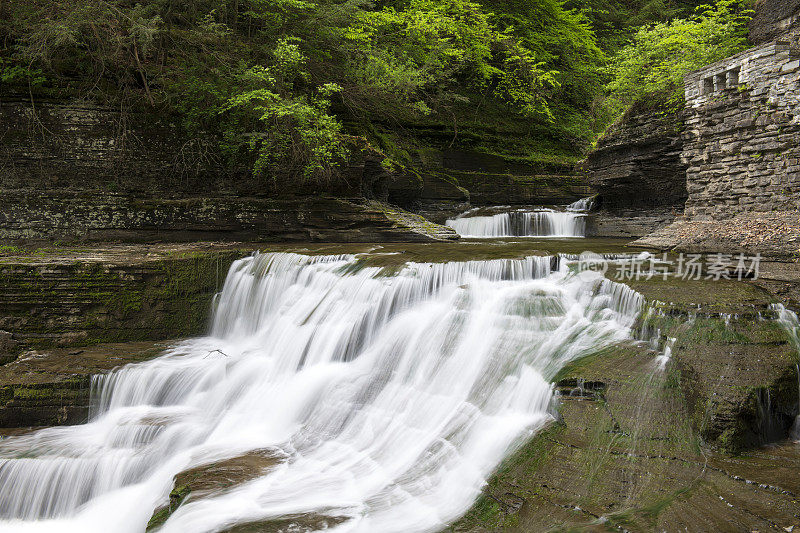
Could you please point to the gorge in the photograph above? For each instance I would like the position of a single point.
(487, 310)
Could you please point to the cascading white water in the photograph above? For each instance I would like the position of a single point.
(386, 396)
(539, 223)
(791, 323)
(583, 205)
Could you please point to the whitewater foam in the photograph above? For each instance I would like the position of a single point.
(386, 397)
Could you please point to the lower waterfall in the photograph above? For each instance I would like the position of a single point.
(790, 322)
(521, 223)
(386, 396)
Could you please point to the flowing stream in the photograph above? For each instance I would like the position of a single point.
(385, 396)
(522, 223)
(583, 205)
(791, 323)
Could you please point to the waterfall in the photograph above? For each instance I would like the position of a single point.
(796, 427)
(791, 323)
(385, 397)
(583, 205)
(538, 223)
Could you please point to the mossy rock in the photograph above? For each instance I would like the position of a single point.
(638, 448)
(213, 478)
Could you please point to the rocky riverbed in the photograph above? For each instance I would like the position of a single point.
(637, 445)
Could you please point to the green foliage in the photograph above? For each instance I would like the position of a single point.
(655, 63)
(297, 133)
(419, 56)
(14, 73)
(563, 40)
(276, 81)
(615, 21)
(274, 78)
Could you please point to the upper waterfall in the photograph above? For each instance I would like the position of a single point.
(583, 205)
(386, 397)
(521, 223)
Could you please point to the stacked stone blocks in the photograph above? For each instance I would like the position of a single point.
(742, 135)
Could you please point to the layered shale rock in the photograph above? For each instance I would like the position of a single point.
(53, 386)
(638, 173)
(637, 448)
(89, 216)
(453, 180)
(772, 19)
(74, 297)
(73, 171)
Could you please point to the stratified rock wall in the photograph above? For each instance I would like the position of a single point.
(74, 145)
(638, 172)
(105, 216)
(456, 179)
(773, 18)
(74, 171)
(74, 298)
(637, 164)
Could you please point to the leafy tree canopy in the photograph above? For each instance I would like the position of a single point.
(654, 64)
(284, 84)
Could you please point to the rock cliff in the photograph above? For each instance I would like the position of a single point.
(638, 172)
(74, 171)
(773, 18)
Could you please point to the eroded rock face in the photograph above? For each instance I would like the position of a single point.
(453, 180)
(52, 387)
(9, 348)
(58, 298)
(638, 172)
(637, 163)
(93, 216)
(77, 146)
(773, 18)
(628, 223)
(73, 171)
(636, 448)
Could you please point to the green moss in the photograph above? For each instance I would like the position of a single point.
(574, 368)
(712, 330)
(176, 498)
(488, 512)
(109, 302)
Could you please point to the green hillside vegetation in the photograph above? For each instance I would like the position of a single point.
(653, 65)
(290, 86)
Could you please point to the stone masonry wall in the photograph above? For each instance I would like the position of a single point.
(742, 136)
